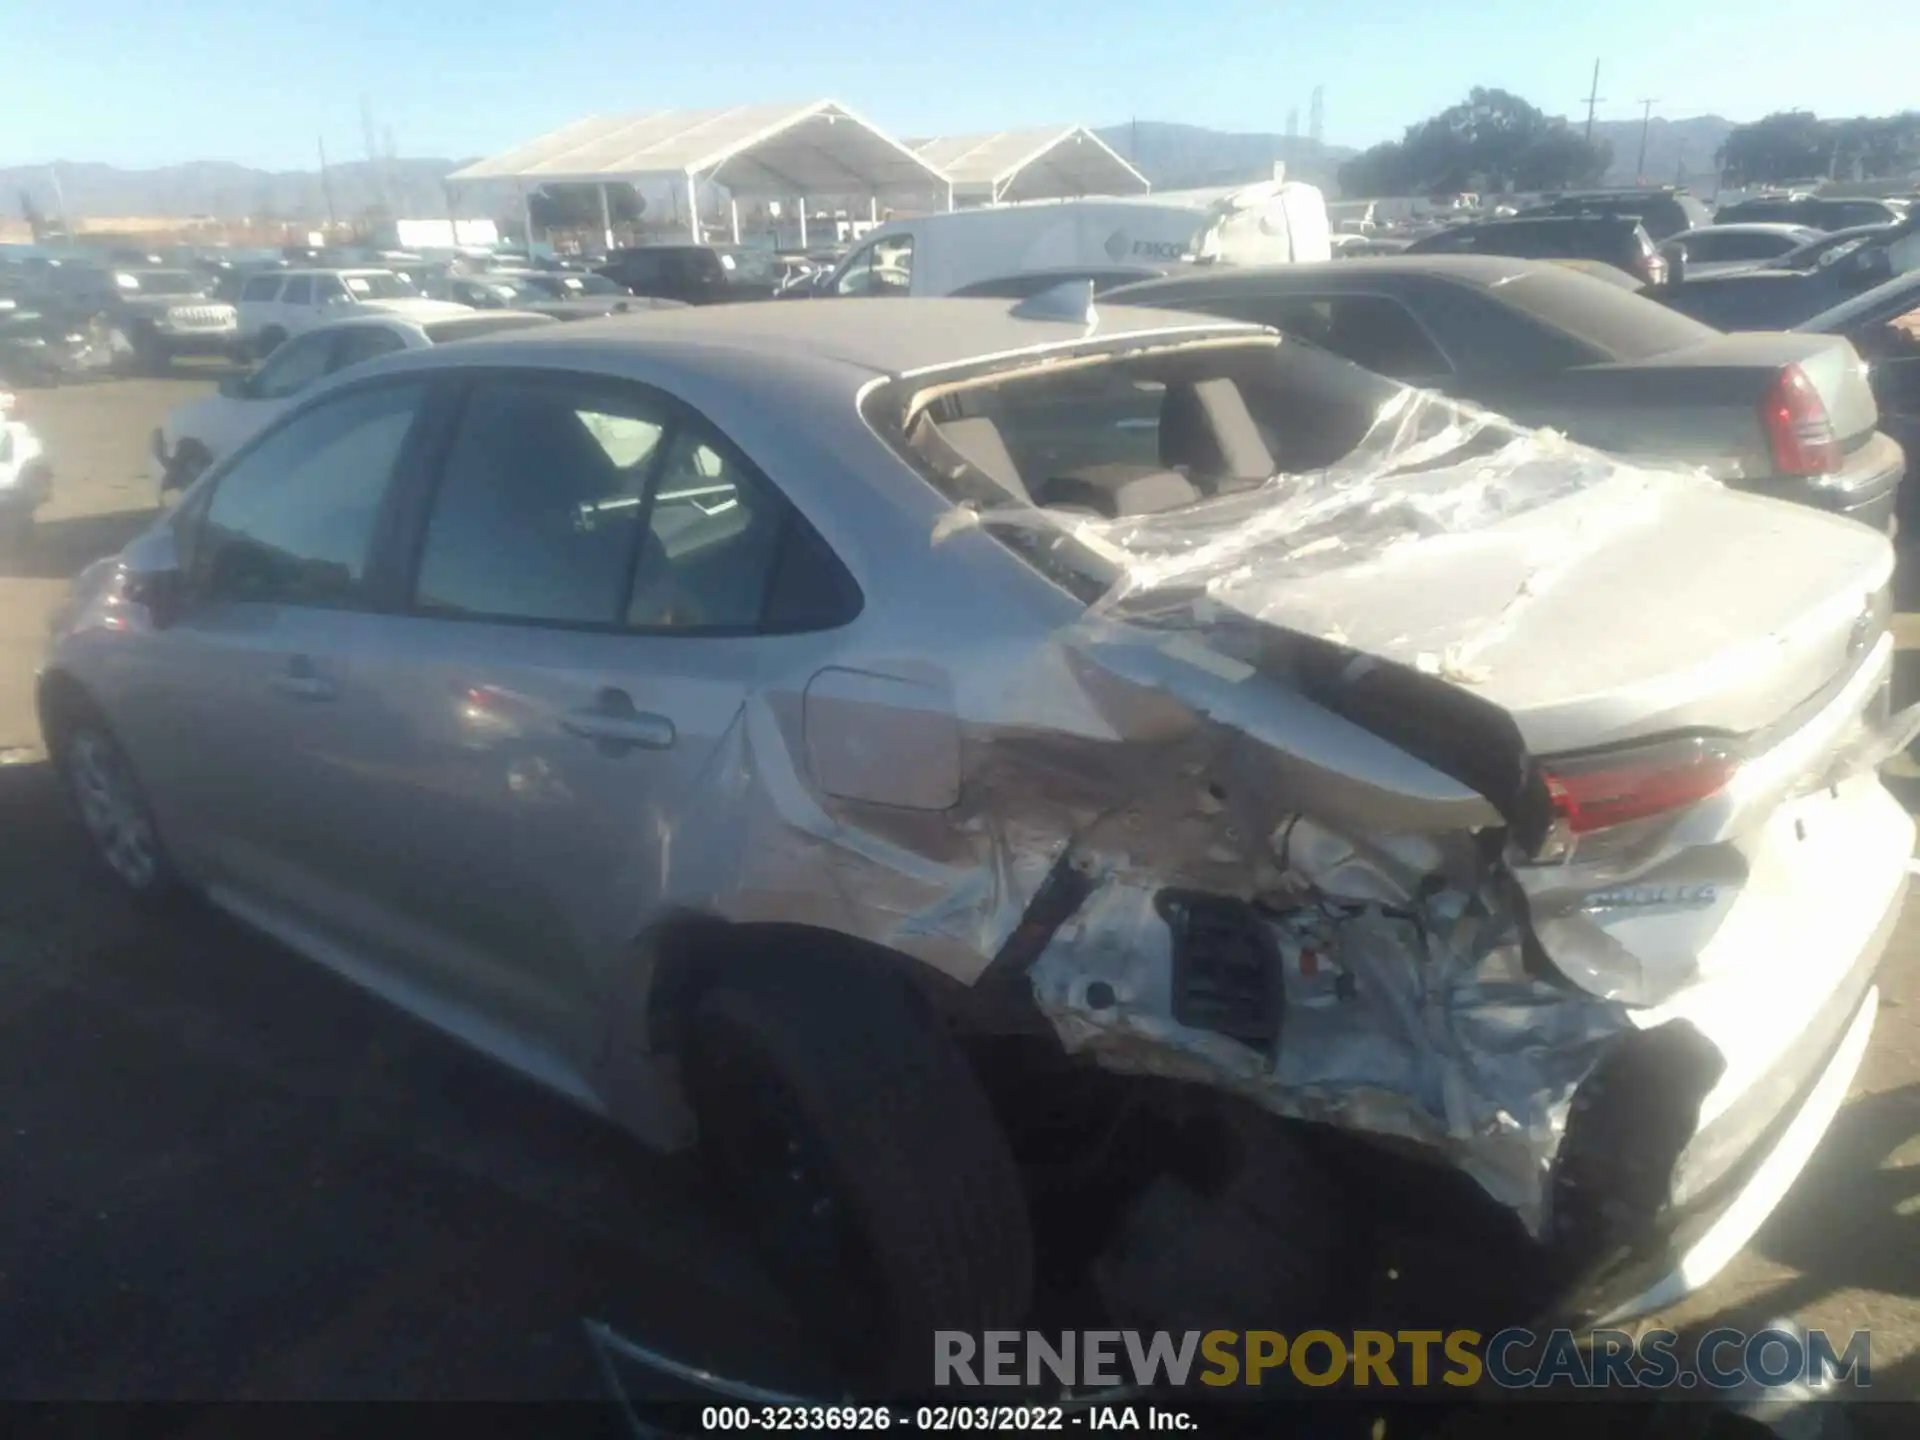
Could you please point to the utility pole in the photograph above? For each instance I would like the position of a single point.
(1594, 97)
(326, 182)
(1646, 124)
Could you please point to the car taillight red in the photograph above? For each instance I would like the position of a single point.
(1598, 792)
(1798, 427)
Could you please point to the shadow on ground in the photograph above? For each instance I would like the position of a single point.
(61, 549)
(227, 1174)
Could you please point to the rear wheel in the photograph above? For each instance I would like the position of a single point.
(851, 1137)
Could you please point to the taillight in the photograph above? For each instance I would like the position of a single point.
(1798, 426)
(1598, 792)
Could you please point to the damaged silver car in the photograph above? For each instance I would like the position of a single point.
(904, 746)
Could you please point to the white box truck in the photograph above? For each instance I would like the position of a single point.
(955, 252)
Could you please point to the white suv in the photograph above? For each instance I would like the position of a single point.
(285, 302)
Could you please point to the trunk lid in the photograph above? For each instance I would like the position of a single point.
(1646, 604)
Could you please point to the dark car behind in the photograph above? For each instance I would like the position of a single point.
(1617, 240)
(1883, 324)
(1664, 213)
(1787, 415)
(694, 274)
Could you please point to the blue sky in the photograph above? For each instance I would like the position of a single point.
(140, 83)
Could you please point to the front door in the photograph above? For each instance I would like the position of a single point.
(244, 740)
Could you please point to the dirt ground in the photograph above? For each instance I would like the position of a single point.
(229, 1174)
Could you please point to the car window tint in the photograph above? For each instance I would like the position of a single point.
(328, 287)
(536, 518)
(293, 521)
(261, 287)
(884, 268)
(294, 366)
(713, 534)
(1370, 330)
(299, 291)
(358, 343)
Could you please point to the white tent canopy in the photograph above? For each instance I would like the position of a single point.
(1048, 163)
(754, 151)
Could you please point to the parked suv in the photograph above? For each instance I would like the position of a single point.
(1665, 212)
(282, 303)
(152, 316)
(1617, 240)
(696, 274)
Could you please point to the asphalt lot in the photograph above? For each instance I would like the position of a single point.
(227, 1173)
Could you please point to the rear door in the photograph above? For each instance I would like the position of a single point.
(549, 721)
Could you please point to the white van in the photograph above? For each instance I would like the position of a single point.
(1274, 222)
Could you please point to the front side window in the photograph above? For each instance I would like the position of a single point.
(261, 287)
(299, 291)
(294, 366)
(293, 521)
(359, 343)
(327, 289)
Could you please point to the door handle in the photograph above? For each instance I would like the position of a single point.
(301, 681)
(613, 722)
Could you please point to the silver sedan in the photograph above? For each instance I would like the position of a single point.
(825, 728)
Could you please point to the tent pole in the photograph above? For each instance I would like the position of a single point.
(526, 212)
(693, 207)
(803, 222)
(733, 214)
(873, 208)
(606, 218)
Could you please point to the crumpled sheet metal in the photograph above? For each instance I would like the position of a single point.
(1136, 749)
(1418, 1023)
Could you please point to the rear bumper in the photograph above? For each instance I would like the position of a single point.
(1790, 1012)
(1867, 489)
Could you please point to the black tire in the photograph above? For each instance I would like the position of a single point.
(268, 341)
(78, 738)
(849, 1132)
(149, 354)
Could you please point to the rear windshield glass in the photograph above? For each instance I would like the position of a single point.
(1625, 327)
(1177, 469)
(443, 332)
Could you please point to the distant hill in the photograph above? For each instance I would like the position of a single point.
(1675, 148)
(228, 191)
(1175, 156)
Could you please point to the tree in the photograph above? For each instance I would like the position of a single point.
(1787, 145)
(1491, 141)
(577, 207)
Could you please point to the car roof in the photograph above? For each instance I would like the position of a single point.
(1481, 271)
(1756, 227)
(337, 270)
(880, 336)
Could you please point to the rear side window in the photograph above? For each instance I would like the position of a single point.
(540, 504)
(1844, 214)
(1370, 330)
(638, 267)
(609, 507)
(299, 291)
(261, 287)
